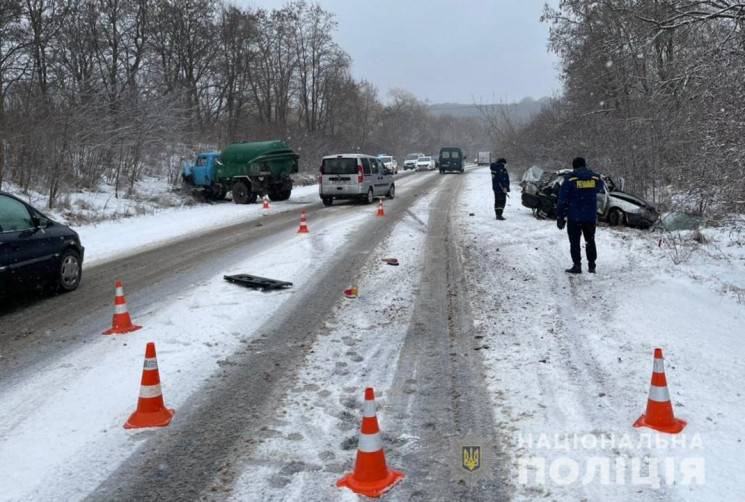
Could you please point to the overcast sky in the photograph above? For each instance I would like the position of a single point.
(460, 51)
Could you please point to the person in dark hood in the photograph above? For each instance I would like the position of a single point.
(500, 184)
(578, 210)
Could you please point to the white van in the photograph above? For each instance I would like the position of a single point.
(354, 176)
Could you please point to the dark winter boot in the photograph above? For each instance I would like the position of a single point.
(591, 268)
(499, 214)
(576, 269)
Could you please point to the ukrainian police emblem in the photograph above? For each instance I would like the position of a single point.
(471, 458)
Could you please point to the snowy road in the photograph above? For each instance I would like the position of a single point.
(478, 335)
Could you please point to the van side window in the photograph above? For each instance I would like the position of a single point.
(366, 165)
(374, 167)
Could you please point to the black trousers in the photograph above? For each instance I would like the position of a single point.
(500, 200)
(576, 230)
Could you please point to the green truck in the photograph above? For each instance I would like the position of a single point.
(247, 169)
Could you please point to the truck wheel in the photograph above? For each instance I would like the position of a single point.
(276, 195)
(218, 193)
(616, 217)
(391, 191)
(241, 193)
(327, 201)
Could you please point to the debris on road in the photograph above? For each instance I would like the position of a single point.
(254, 281)
(351, 292)
(391, 261)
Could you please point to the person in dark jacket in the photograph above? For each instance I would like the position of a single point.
(500, 183)
(578, 210)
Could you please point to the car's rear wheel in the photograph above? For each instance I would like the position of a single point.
(70, 271)
(370, 197)
(327, 201)
(616, 217)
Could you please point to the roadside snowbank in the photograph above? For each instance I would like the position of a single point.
(113, 239)
(572, 356)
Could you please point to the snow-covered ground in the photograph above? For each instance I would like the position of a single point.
(58, 443)
(315, 442)
(571, 357)
(151, 194)
(113, 239)
(567, 358)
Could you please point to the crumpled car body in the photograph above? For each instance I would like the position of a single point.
(540, 192)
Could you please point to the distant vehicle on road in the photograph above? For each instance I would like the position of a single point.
(390, 162)
(410, 161)
(35, 250)
(484, 158)
(425, 164)
(247, 169)
(451, 159)
(354, 176)
(540, 192)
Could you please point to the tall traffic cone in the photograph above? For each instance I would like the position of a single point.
(371, 476)
(380, 212)
(151, 411)
(659, 415)
(303, 223)
(265, 203)
(351, 292)
(121, 322)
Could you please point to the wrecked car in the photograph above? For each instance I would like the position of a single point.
(540, 192)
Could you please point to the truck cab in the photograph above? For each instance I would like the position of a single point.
(202, 172)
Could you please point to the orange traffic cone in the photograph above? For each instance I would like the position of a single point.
(659, 415)
(303, 224)
(371, 476)
(265, 203)
(151, 412)
(351, 292)
(380, 212)
(121, 322)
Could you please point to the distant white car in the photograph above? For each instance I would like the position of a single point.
(390, 162)
(425, 164)
(410, 161)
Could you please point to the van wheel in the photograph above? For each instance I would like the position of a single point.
(616, 217)
(327, 201)
(370, 197)
(391, 192)
(69, 271)
(241, 193)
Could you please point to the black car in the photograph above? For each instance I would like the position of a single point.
(36, 251)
